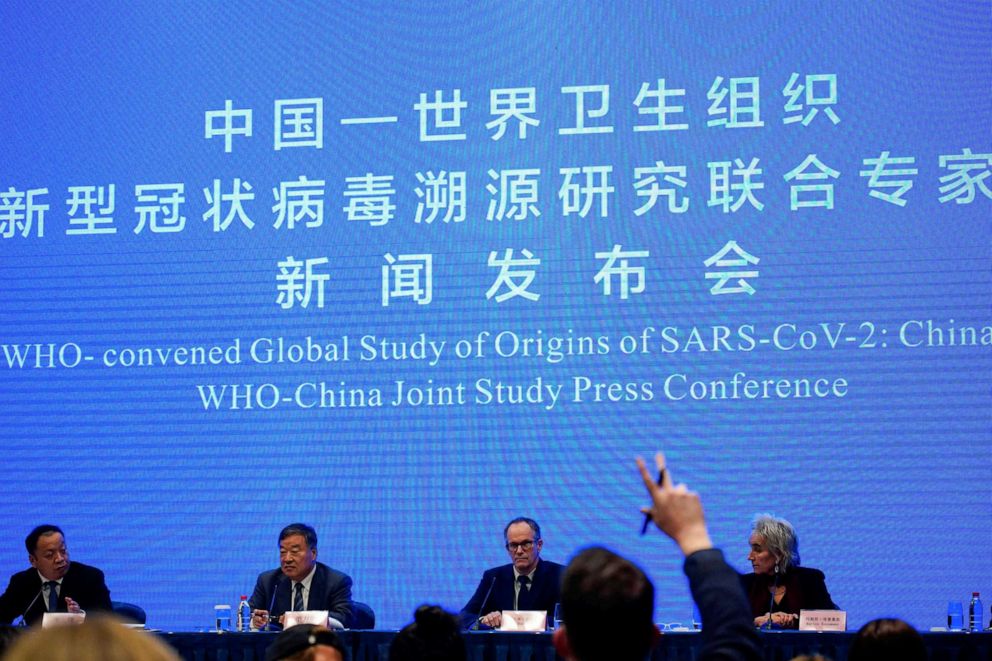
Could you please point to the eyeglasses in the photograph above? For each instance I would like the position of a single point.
(524, 546)
(672, 626)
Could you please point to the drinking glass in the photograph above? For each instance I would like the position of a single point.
(222, 617)
(955, 616)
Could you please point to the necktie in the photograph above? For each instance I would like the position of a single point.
(53, 596)
(523, 595)
(298, 598)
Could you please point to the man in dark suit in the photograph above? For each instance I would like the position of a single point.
(301, 583)
(527, 583)
(53, 584)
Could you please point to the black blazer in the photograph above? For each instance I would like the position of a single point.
(83, 583)
(545, 590)
(805, 587)
(330, 590)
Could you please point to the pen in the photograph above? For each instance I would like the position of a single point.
(647, 515)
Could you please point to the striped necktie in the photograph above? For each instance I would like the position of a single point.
(298, 598)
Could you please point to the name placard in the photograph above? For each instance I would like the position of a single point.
(524, 621)
(822, 620)
(61, 619)
(292, 618)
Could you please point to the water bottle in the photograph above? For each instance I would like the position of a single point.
(244, 614)
(975, 613)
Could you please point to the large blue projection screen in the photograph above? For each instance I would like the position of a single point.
(407, 270)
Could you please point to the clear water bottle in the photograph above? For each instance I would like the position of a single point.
(975, 613)
(244, 614)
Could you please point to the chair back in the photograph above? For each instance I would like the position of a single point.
(130, 612)
(363, 615)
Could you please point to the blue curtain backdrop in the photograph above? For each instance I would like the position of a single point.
(756, 236)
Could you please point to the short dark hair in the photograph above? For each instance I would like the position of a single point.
(300, 529)
(295, 643)
(887, 639)
(434, 635)
(523, 519)
(607, 605)
(31, 541)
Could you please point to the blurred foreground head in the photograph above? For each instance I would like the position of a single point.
(607, 604)
(434, 635)
(887, 639)
(99, 638)
(306, 642)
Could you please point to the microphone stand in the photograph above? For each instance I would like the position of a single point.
(272, 603)
(771, 601)
(482, 607)
(23, 615)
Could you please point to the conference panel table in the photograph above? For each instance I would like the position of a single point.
(507, 646)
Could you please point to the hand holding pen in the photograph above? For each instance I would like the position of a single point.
(676, 511)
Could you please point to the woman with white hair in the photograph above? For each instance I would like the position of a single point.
(779, 588)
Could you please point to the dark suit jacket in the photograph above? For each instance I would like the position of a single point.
(728, 629)
(545, 591)
(83, 583)
(805, 587)
(330, 590)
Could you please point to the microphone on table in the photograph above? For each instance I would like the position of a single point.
(272, 602)
(482, 608)
(771, 602)
(24, 621)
